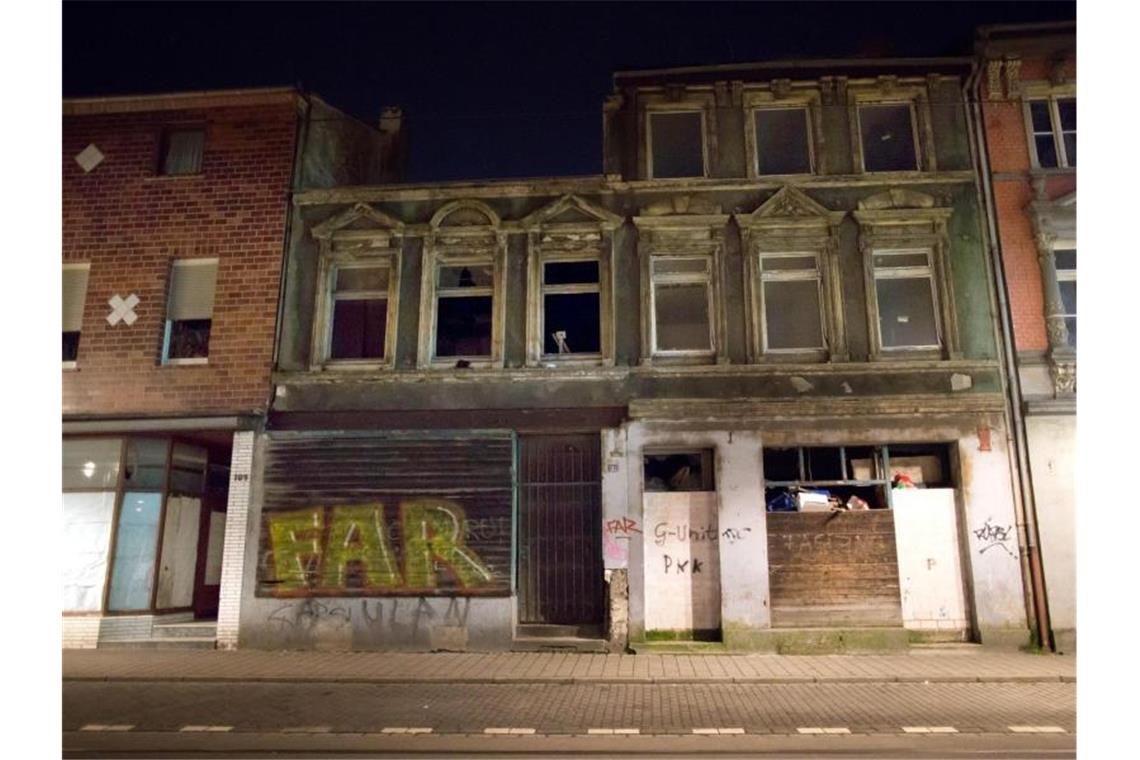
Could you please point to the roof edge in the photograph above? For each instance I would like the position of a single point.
(173, 101)
(800, 63)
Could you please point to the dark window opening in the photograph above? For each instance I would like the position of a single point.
(782, 141)
(182, 151)
(692, 471)
(906, 312)
(359, 327)
(463, 326)
(888, 138)
(572, 323)
(70, 346)
(677, 144)
(570, 272)
(189, 339)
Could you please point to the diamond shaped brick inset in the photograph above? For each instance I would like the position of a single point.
(89, 158)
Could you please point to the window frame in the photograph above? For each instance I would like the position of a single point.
(652, 111)
(163, 143)
(1066, 275)
(168, 323)
(682, 279)
(542, 290)
(790, 275)
(794, 97)
(332, 262)
(1042, 91)
(78, 266)
(887, 91)
(906, 272)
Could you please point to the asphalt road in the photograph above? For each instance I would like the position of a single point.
(824, 719)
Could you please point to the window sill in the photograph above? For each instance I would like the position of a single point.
(702, 357)
(793, 357)
(173, 177)
(352, 365)
(71, 366)
(197, 361)
(1056, 171)
(909, 354)
(553, 361)
(480, 363)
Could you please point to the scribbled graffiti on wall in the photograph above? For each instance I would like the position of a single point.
(991, 535)
(416, 546)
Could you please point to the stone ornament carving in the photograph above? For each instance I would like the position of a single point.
(681, 204)
(897, 198)
(993, 80)
(1064, 376)
(1013, 78)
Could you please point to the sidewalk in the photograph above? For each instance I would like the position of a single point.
(934, 666)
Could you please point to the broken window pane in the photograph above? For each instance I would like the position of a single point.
(467, 276)
(781, 464)
(888, 138)
(782, 141)
(578, 316)
(906, 312)
(359, 327)
(792, 314)
(677, 144)
(570, 272)
(682, 317)
(463, 326)
(679, 472)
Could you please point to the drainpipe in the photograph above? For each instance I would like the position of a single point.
(1024, 507)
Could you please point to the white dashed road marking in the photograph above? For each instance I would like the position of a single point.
(1037, 730)
(930, 729)
(405, 730)
(107, 727)
(216, 729)
(509, 731)
(717, 731)
(824, 730)
(306, 730)
(612, 731)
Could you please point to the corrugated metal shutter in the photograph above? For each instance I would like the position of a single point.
(382, 515)
(192, 289)
(74, 297)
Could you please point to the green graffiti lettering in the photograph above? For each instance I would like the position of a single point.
(433, 532)
(357, 534)
(295, 538)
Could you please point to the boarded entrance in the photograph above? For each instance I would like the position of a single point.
(560, 518)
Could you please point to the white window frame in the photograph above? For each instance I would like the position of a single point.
(327, 297)
(85, 266)
(1065, 275)
(167, 360)
(1036, 94)
(913, 131)
(664, 110)
(753, 145)
(893, 91)
(467, 292)
(790, 275)
(906, 273)
(682, 278)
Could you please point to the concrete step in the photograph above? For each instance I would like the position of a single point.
(192, 630)
(557, 644)
(557, 631)
(178, 642)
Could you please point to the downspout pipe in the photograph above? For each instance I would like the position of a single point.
(1016, 436)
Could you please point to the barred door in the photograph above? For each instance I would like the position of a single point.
(560, 520)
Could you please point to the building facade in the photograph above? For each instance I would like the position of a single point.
(682, 400)
(1027, 96)
(175, 220)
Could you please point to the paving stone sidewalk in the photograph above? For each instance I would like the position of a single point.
(934, 666)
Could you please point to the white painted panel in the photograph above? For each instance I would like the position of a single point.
(214, 549)
(179, 552)
(86, 541)
(930, 566)
(682, 561)
(1053, 457)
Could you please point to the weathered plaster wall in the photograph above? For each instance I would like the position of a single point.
(930, 560)
(1052, 459)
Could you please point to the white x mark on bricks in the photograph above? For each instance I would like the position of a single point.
(122, 309)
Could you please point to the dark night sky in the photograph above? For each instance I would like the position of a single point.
(488, 90)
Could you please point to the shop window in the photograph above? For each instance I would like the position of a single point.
(791, 302)
(181, 151)
(571, 308)
(90, 480)
(1052, 123)
(783, 141)
(681, 305)
(905, 297)
(74, 299)
(688, 471)
(888, 139)
(464, 310)
(1065, 260)
(189, 311)
(676, 142)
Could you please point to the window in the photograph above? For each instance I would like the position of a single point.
(906, 300)
(464, 296)
(688, 471)
(571, 308)
(677, 146)
(887, 137)
(1065, 260)
(783, 141)
(791, 302)
(681, 305)
(189, 311)
(181, 151)
(359, 311)
(74, 299)
(1052, 124)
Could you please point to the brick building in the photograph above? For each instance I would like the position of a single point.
(1027, 95)
(176, 213)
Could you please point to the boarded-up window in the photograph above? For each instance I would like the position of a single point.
(682, 305)
(782, 141)
(887, 133)
(791, 295)
(182, 151)
(74, 299)
(571, 308)
(677, 144)
(360, 312)
(904, 292)
(190, 309)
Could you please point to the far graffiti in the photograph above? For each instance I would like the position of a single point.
(411, 546)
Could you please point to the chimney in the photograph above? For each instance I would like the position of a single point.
(394, 143)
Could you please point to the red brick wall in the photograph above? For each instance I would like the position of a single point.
(1009, 161)
(130, 225)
